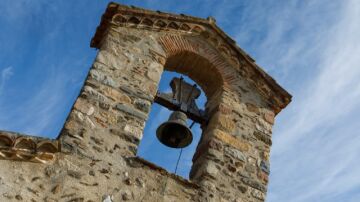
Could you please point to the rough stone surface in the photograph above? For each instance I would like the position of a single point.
(269, 117)
(94, 157)
(131, 111)
(235, 154)
(231, 140)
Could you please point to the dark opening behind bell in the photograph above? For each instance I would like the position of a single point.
(174, 132)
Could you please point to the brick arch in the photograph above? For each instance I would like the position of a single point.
(198, 60)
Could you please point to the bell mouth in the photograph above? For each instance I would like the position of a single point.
(174, 134)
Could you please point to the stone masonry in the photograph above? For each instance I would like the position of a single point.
(94, 157)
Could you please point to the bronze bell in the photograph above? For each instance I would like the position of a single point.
(174, 132)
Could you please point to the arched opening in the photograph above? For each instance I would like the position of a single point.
(153, 150)
(198, 69)
(195, 70)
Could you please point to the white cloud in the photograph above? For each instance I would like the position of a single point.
(40, 113)
(312, 49)
(6, 73)
(315, 49)
(39, 102)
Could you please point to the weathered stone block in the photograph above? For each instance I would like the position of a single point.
(82, 106)
(136, 131)
(142, 105)
(258, 194)
(225, 109)
(153, 75)
(250, 168)
(252, 108)
(231, 140)
(91, 93)
(254, 184)
(103, 77)
(235, 154)
(211, 169)
(269, 117)
(214, 144)
(111, 60)
(265, 155)
(132, 111)
(116, 95)
(265, 167)
(262, 137)
(218, 156)
(264, 177)
(263, 126)
(151, 87)
(136, 93)
(222, 122)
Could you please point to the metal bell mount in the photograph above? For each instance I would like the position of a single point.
(174, 132)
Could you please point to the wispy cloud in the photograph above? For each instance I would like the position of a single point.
(6, 73)
(42, 112)
(311, 48)
(39, 102)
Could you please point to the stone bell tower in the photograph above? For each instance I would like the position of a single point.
(94, 157)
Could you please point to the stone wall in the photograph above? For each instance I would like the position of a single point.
(96, 159)
(81, 179)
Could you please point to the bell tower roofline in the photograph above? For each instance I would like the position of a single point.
(131, 16)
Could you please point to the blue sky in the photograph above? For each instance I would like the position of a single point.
(312, 48)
